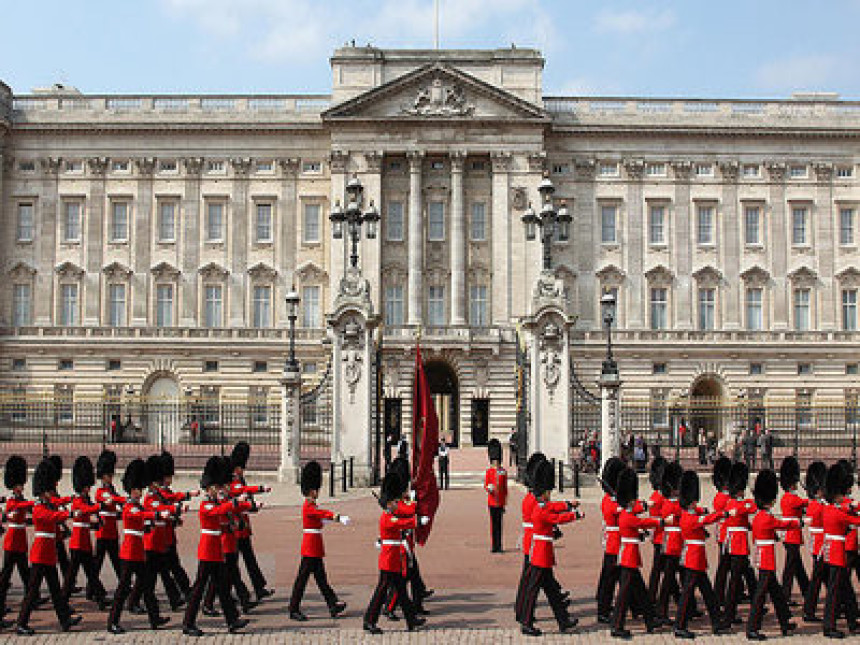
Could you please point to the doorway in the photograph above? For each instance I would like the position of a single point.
(706, 408)
(480, 422)
(393, 426)
(162, 419)
(444, 386)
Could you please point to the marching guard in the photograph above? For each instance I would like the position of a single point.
(496, 485)
(673, 543)
(722, 470)
(792, 506)
(172, 563)
(107, 535)
(312, 549)
(15, 541)
(655, 509)
(62, 530)
(816, 473)
(737, 540)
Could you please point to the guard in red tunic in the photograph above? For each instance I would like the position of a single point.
(107, 534)
(84, 517)
(737, 539)
(816, 473)
(312, 550)
(673, 543)
(694, 557)
(238, 486)
(764, 528)
(542, 555)
(792, 505)
(210, 551)
(722, 470)
(655, 509)
(172, 563)
(18, 510)
(496, 485)
(43, 553)
(63, 532)
(132, 557)
(392, 555)
(631, 585)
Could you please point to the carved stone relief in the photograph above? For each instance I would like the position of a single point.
(440, 99)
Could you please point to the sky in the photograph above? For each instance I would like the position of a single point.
(727, 49)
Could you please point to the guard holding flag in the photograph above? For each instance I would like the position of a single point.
(496, 485)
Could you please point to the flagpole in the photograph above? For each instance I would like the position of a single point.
(436, 25)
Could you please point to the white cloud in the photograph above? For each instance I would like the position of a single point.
(630, 22)
(810, 72)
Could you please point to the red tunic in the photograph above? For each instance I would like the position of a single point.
(836, 523)
(721, 499)
(738, 526)
(498, 478)
(169, 497)
(134, 516)
(46, 524)
(237, 488)
(673, 543)
(816, 525)
(542, 553)
(229, 524)
(392, 554)
(655, 510)
(630, 528)
(694, 555)
(792, 505)
(156, 538)
(312, 523)
(211, 513)
(764, 528)
(17, 509)
(851, 538)
(111, 507)
(83, 515)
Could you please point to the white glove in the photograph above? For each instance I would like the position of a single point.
(424, 520)
(344, 519)
(412, 496)
(491, 488)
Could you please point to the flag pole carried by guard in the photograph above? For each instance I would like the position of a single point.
(425, 439)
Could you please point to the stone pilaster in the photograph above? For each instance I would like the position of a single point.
(416, 240)
(825, 241)
(94, 216)
(371, 250)
(285, 252)
(501, 222)
(684, 230)
(636, 241)
(46, 242)
(458, 241)
(190, 239)
(291, 387)
(731, 246)
(144, 214)
(780, 243)
(238, 251)
(337, 249)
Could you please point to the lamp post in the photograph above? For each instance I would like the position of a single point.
(549, 220)
(292, 300)
(610, 385)
(607, 306)
(353, 217)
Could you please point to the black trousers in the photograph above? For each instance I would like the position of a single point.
(389, 580)
(83, 559)
(47, 572)
(697, 580)
(104, 548)
(234, 581)
(415, 583)
(537, 579)
(721, 577)
(739, 571)
(144, 579)
(217, 572)
(606, 584)
(631, 587)
(669, 585)
(496, 515)
(176, 570)
(768, 586)
(819, 576)
(246, 550)
(12, 560)
(157, 563)
(62, 554)
(656, 572)
(444, 476)
(840, 595)
(794, 570)
(308, 566)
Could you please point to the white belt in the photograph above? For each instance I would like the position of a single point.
(736, 529)
(82, 525)
(17, 526)
(313, 531)
(160, 523)
(813, 529)
(133, 532)
(106, 514)
(765, 542)
(392, 542)
(545, 538)
(47, 536)
(672, 529)
(694, 543)
(611, 528)
(210, 532)
(625, 540)
(835, 538)
(528, 525)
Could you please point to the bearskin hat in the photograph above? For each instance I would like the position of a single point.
(400, 465)
(739, 477)
(609, 477)
(655, 472)
(240, 454)
(722, 469)
(57, 463)
(134, 476)
(154, 473)
(544, 478)
(83, 474)
(16, 472)
(690, 493)
(106, 463)
(628, 487)
(168, 467)
(816, 473)
(834, 482)
(494, 450)
(391, 488)
(212, 475)
(311, 478)
(671, 479)
(789, 472)
(766, 488)
(531, 466)
(44, 478)
(848, 482)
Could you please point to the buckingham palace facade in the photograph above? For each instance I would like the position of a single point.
(148, 241)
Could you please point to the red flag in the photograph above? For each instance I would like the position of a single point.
(425, 439)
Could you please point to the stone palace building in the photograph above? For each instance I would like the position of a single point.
(148, 241)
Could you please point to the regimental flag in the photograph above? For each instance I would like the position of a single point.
(425, 439)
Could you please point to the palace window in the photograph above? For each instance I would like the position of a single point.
(116, 305)
(609, 224)
(657, 225)
(22, 304)
(753, 309)
(167, 221)
(478, 306)
(803, 403)
(799, 225)
(262, 306)
(849, 309)
(852, 369)
(311, 315)
(119, 222)
(311, 223)
(798, 172)
(311, 167)
(393, 305)
(704, 170)
(705, 225)
(260, 367)
(846, 226)
(655, 169)
(659, 308)
(164, 305)
(69, 305)
(608, 169)
(479, 222)
(845, 172)
(119, 166)
(64, 397)
(752, 225)
(215, 222)
(756, 369)
(707, 299)
(801, 309)
(436, 306)
(751, 170)
(71, 222)
(25, 224)
(213, 309)
(436, 221)
(394, 222)
(263, 222)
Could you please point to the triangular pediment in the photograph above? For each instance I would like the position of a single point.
(436, 92)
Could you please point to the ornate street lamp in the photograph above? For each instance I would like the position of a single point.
(292, 300)
(607, 307)
(353, 217)
(550, 220)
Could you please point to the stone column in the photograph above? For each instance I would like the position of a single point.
(286, 249)
(188, 235)
(458, 241)
(684, 232)
(636, 241)
(416, 239)
(610, 412)
(826, 239)
(731, 247)
(238, 249)
(141, 257)
(370, 257)
(94, 241)
(291, 387)
(46, 244)
(780, 242)
(501, 222)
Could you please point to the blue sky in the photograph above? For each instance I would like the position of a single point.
(734, 48)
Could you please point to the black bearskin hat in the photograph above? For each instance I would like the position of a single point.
(738, 478)
(655, 473)
(83, 474)
(544, 478)
(531, 466)
(690, 493)
(134, 476)
(226, 471)
(106, 463)
(609, 478)
(628, 487)
(494, 450)
(44, 478)
(765, 488)
(154, 473)
(789, 472)
(212, 475)
(391, 488)
(722, 469)
(16, 472)
(311, 477)
(401, 467)
(671, 480)
(834, 482)
(57, 463)
(168, 467)
(816, 473)
(848, 482)
(240, 454)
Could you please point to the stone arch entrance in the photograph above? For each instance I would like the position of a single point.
(707, 396)
(445, 388)
(161, 416)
